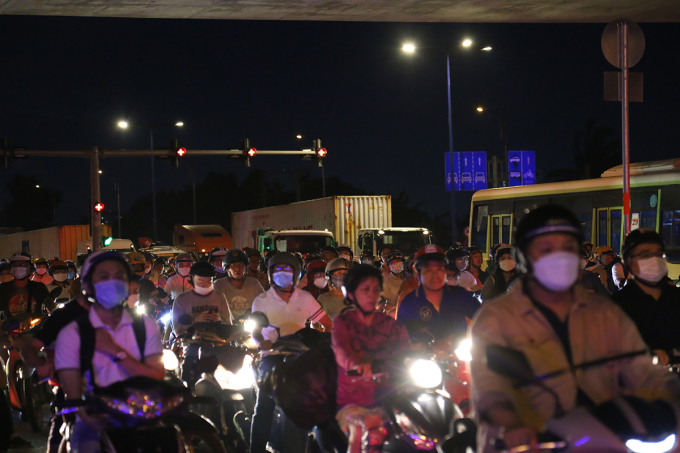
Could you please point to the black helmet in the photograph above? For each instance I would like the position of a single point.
(546, 219)
(640, 236)
(284, 259)
(356, 275)
(452, 255)
(249, 251)
(202, 269)
(39, 261)
(234, 256)
(93, 260)
(329, 249)
(394, 255)
(383, 247)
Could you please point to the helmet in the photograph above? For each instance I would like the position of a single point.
(159, 261)
(472, 250)
(202, 269)
(284, 259)
(345, 248)
(394, 255)
(453, 254)
(315, 266)
(336, 265)
(640, 236)
(234, 256)
(39, 261)
(429, 253)
(20, 256)
(356, 275)
(546, 219)
(249, 251)
(148, 256)
(93, 260)
(365, 257)
(601, 250)
(217, 251)
(383, 247)
(58, 265)
(137, 261)
(328, 249)
(502, 250)
(183, 257)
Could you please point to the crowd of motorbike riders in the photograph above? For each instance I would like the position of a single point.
(551, 296)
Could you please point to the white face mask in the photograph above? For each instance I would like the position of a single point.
(557, 271)
(183, 271)
(60, 277)
(507, 264)
(203, 291)
(652, 269)
(19, 272)
(320, 282)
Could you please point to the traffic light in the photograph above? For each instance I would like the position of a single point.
(99, 206)
(108, 241)
(176, 152)
(319, 153)
(246, 152)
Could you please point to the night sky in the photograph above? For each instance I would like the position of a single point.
(382, 115)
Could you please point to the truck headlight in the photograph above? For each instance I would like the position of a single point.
(426, 374)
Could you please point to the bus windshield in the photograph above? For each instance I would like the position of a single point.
(302, 244)
(407, 242)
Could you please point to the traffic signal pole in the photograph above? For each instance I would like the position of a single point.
(94, 154)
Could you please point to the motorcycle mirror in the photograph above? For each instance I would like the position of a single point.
(509, 362)
(55, 293)
(185, 320)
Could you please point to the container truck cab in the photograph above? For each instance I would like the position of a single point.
(406, 240)
(293, 241)
(200, 239)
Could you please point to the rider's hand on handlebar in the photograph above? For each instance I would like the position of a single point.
(520, 435)
(45, 370)
(207, 317)
(365, 371)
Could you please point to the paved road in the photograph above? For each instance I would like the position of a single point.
(39, 440)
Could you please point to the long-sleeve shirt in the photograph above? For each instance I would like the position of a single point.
(177, 285)
(355, 342)
(597, 329)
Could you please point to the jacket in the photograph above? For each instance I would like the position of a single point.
(598, 329)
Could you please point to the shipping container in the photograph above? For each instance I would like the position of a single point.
(343, 216)
(61, 241)
(200, 239)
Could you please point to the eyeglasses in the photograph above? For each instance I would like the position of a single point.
(646, 255)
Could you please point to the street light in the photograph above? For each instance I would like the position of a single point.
(124, 125)
(466, 43)
(480, 109)
(298, 136)
(504, 137)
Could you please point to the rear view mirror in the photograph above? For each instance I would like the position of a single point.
(510, 363)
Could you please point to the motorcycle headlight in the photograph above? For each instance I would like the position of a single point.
(249, 325)
(141, 309)
(426, 373)
(641, 446)
(170, 361)
(463, 350)
(236, 381)
(166, 318)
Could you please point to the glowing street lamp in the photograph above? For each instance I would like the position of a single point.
(299, 136)
(467, 42)
(480, 109)
(123, 124)
(179, 124)
(408, 48)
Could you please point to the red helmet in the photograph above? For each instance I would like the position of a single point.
(430, 252)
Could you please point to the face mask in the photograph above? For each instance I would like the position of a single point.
(132, 300)
(41, 270)
(203, 291)
(397, 268)
(71, 275)
(320, 282)
(19, 273)
(111, 293)
(60, 277)
(507, 265)
(4, 278)
(345, 256)
(183, 271)
(652, 269)
(283, 279)
(337, 281)
(367, 261)
(557, 271)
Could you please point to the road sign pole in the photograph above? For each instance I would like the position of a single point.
(623, 86)
(95, 195)
(454, 219)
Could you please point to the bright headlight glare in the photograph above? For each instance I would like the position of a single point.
(426, 373)
(640, 446)
(249, 325)
(244, 379)
(141, 309)
(166, 318)
(463, 350)
(170, 361)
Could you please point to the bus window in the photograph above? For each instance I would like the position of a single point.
(480, 227)
(615, 219)
(670, 231)
(602, 230)
(495, 230)
(586, 221)
(506, 221)
(648, 219)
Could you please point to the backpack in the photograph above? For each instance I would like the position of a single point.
(88, 339)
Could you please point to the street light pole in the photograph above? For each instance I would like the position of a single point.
(116, 187)
(454, 219)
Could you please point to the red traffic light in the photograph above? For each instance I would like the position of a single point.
(252, 152)
(181, 151)
(322, 152)
(99, 207)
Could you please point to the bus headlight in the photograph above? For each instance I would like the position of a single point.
(426, 374)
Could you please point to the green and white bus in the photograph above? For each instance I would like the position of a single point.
(655, 204)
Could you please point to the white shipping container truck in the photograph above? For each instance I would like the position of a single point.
(343, 216)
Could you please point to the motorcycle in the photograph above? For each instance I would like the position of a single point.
(27, 393)
(625, 424)
(146, 415)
